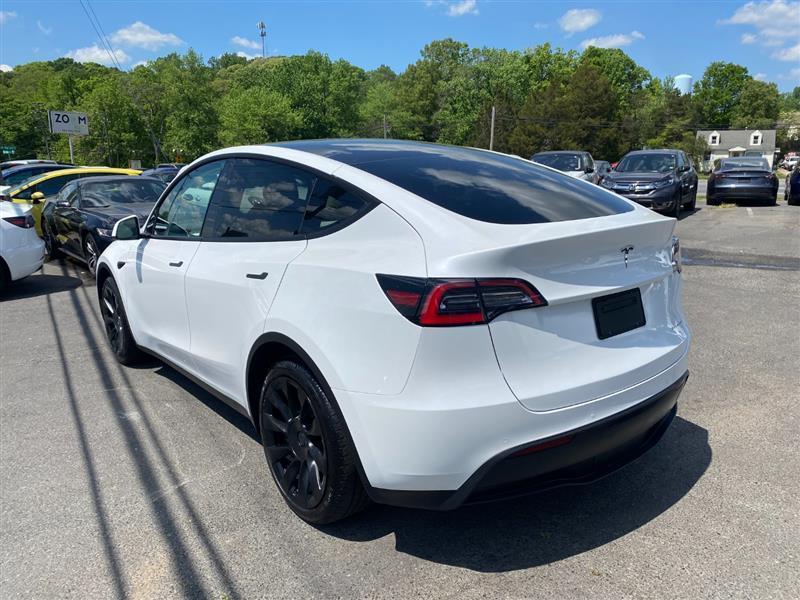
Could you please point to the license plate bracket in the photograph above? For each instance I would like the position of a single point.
(617, 313)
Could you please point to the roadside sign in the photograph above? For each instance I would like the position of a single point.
(72, 123)
(8, 150)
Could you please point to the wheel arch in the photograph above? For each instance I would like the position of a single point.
(268, 349)
(272, 347)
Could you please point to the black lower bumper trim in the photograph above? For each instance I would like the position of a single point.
(593, 452)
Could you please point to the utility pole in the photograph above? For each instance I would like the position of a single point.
(385, 132)
(491, 130)
(71, 155)
(262, 31)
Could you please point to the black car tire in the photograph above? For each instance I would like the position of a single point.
(675, 209)
(5, 276)
(115, 324)
(91, 253)
(307, 446)
(711, 201)
(693, 202)
(50, 241)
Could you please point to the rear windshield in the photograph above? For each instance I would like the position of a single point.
(489, 187)
(732, 164)
(648, 163)
(109, 193)
(559, 160)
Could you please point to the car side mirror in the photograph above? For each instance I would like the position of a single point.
(126, 229)
(37, 197)
(683, 168)
(590, 169)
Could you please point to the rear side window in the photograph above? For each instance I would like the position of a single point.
(50, 187)
(331, 205)
(494, 188)
(258, 200)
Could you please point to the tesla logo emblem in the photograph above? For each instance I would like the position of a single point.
(625, 252)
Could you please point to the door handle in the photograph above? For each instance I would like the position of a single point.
(257, 275)
(176, 264)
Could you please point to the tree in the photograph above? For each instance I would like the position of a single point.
(718, 92)
(257, 116)
(758, 106)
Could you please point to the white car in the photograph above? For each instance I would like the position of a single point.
(418, 324)
(575, 163)
(21, 250)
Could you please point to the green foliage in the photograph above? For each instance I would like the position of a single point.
(177, 106)
(759, 105)
(718, 92)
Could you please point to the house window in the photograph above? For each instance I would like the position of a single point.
(713, 139)
(755, 138)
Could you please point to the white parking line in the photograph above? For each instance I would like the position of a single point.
(749, 211)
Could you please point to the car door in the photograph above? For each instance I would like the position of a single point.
(250, 236)
(685, 176)
(67, 218)
(154, 282)
(53, 209)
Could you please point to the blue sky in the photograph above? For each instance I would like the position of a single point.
(666, 37)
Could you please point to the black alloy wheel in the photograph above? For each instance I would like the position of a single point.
(91, 254)
(115, 323)
(112, 317)
(294, 442)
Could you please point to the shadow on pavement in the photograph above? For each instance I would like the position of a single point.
(545, 528)
(39, 284)
(236, 419)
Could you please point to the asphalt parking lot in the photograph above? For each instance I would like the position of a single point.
(134, 483)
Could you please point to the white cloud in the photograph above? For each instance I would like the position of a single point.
(141, 63)
(141, 35)
(540, 25)
(6, 15)
(247, 56)
(795, 74)
(618, 40)
(456, 9)
(245, 43)
(6, 68)
(771, 18)
(760, 76)
(749, 38)
(465, 7)
(43, 29)
(789, 54)
(579, 19)
(97, 54)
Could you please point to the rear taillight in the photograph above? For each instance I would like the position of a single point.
(448, 302)
(26, 222)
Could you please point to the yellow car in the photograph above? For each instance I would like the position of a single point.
(36, 190)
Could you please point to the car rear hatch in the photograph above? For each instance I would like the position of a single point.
(564, 354)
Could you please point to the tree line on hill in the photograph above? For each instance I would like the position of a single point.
(178, 107)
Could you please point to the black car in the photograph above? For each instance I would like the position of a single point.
(165, 173)
(742, 178)
(14, 175)
(663, 180)
(80, 221)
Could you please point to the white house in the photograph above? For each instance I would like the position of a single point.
(723, 143)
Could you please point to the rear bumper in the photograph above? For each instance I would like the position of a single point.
(742, 192)
(576, 457)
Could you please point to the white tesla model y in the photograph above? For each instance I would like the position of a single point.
(418, 324)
